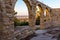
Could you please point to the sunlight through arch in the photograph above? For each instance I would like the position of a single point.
(46, 12)
(21, 13)
(38, 14)
(21, 8)
(38, 11)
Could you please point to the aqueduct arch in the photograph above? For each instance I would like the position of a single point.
(31, 10)
(38, 13)
(42, 17)
(7, 17)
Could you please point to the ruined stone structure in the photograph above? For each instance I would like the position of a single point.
(55, 17)
(31, 5)
(7, 17)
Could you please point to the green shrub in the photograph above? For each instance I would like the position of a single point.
(23, 23)
(18, 23)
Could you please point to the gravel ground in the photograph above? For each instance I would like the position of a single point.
(42, 36)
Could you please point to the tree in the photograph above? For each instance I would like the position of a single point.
(16, 22)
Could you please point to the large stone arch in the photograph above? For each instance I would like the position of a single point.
(31, 5)
(38, 12)
(7, 17)
(41, 15)
(42, 23)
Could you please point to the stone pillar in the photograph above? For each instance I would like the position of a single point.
(48, 21)
(1, 22)
(42, 20)
(32, 14)
(6, 20)
(32, 19)
(31, 10)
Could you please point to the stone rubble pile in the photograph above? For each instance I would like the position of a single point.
(22, 32)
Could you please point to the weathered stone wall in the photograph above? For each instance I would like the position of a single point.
(6, 20)
(31, 5)
(43, 24)
(55, 17)
(7, 17)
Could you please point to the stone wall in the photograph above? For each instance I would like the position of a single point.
(7, 17)
(31, 5)
(42, 17)
(55, 17)
(6, 20)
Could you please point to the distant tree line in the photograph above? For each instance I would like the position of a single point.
(23, 23)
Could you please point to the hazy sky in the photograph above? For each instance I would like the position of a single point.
(21, 8)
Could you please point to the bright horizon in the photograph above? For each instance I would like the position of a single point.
(21, 8)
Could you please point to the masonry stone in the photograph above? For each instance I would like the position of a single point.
(7, 17)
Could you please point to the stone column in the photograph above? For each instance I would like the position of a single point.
(32, 14)
(50, 21)
(42, 20)
(32, 19)
(7, 20)
(1, 22)
(31, 10)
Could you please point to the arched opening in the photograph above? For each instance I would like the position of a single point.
(38, 11)
(38, 14)
(21, 16)
(46, 14)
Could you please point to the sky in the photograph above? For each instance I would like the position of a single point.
(21, 8)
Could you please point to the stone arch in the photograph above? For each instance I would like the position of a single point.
(40, 8)
(47, 14)
(38, 14)
(31, 11)
(21, 12)
(47, 17)
(41, 16)
(7, 21)
(7, 17)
